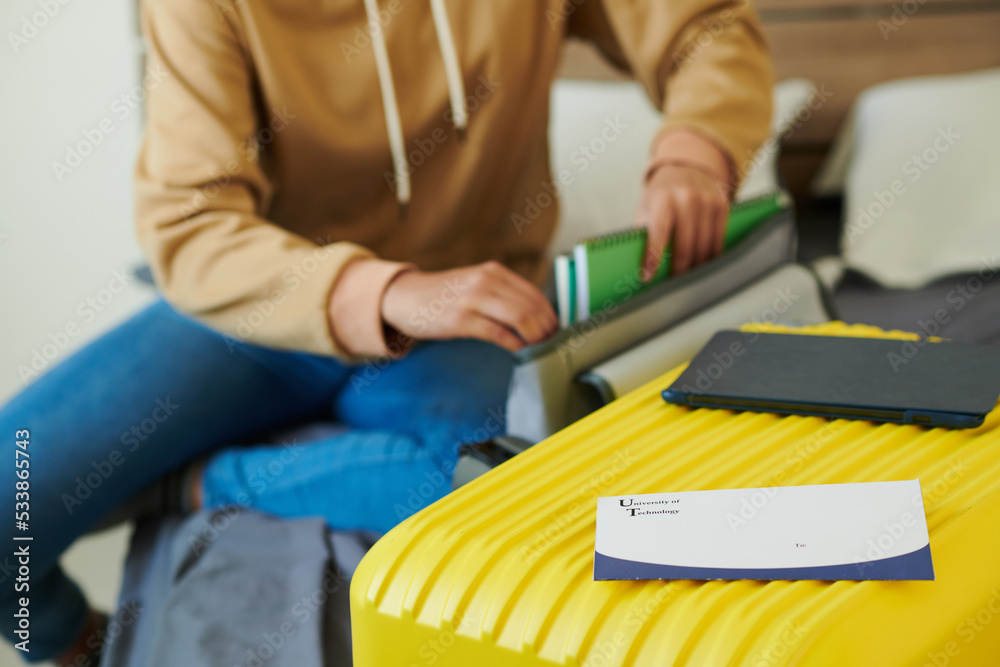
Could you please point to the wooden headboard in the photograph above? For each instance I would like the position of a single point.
(846, 46)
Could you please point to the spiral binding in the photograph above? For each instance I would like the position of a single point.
(614, 238)
(623, 236)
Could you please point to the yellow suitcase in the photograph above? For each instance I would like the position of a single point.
(500, 572)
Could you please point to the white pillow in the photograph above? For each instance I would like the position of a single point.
(605, 186)
(919, 163)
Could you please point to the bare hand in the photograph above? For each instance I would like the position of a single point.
(685, 199)
(487, 301)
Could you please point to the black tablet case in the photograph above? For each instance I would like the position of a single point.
(938, 384)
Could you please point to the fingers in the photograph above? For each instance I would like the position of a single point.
(704, 230)
(498, 295)
(483, 328)
(719, 220)
(537, 302)
(487, 301)
(685, 239)
(514, 312)
(659, 226)
(684, 207)
(701, 228)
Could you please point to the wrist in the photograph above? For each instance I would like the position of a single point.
(355, 308)
(392, 289)
(686, 148)
(655, 166)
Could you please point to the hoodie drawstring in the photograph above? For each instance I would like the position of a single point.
(393, 124)
(452, 72)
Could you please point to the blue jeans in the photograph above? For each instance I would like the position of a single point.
(162, 389)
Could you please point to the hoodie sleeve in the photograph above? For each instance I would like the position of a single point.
(704, 63)
(201, 190)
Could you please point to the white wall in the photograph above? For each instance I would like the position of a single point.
(62, 240)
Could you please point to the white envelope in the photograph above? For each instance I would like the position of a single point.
(874, 530)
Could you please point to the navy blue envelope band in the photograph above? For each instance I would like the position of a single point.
(914, 566)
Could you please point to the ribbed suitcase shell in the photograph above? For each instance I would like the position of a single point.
(500, 572)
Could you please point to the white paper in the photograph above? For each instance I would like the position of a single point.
(874, 530)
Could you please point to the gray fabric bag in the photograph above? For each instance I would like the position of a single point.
(234, 587)
(545, 394)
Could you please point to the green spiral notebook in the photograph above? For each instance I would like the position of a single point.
(605, 270)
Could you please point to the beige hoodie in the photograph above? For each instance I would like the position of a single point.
(267, 165)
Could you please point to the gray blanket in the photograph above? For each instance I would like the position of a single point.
(232, 588)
